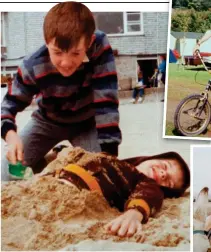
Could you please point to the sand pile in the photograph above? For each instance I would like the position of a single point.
(44, 214)
(48, 214)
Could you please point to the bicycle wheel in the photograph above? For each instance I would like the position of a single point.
(192, 115)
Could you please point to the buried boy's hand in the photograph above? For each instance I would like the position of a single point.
(126, 224)
(15, 147)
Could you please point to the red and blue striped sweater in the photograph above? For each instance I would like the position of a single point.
(91, 91)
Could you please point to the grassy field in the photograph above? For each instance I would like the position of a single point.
(181, 83)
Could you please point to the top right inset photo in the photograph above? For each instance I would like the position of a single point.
(188, 92)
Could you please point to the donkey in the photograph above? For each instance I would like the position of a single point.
(200, 237)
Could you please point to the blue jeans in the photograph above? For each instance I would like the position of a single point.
(137, 91)
(40, 136)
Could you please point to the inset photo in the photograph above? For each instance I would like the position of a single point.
(188, 91)
(201, 157)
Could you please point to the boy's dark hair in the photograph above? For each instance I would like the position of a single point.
(67, 23)
(169, 192)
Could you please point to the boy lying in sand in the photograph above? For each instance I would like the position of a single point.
(135, 186)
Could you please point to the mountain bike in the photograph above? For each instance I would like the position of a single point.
(193, 114)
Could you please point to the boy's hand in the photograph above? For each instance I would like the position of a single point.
(126, 224)
(15, 147)
(197, 47)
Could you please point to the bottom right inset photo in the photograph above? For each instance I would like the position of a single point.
(201, 164)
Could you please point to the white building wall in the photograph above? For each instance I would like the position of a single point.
(15, 35)
(172, 42)
(25, 34)
(153, 41)
(34, 30)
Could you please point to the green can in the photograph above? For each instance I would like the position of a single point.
(19, 171)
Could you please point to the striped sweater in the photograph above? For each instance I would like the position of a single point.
(90, 92)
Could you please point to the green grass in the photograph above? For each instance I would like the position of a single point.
(187, 73)
(182, 83)
(169, 128)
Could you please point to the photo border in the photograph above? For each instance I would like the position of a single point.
(192, 146)
(166, 89)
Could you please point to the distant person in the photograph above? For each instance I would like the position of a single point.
(153, 80)
(162, 71)
(138, 91)
(162, 68)
(206, 37)
(119, 29)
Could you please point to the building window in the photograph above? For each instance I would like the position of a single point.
(133, 21)
(119, 23)
(3, 37)
(9, 71)
(11, 68)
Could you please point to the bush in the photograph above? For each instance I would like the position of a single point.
(190, 20)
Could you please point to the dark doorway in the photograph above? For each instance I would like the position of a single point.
(147, 66)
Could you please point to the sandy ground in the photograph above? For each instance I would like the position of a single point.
(141, 126)
(33, 219)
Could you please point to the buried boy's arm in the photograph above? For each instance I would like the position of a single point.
(127, 224)
(145, 200)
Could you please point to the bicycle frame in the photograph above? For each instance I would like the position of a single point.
(208, 86)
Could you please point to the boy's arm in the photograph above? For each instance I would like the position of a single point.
(18, 97)
(204, 38)
(147, 197)
(105, 85)
(144, 201)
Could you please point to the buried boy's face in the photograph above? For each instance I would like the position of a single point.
(166, 172)
(67, 62)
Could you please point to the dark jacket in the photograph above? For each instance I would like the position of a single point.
(121, 183)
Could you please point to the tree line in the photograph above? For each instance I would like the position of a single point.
(199, 5)
(190, 20)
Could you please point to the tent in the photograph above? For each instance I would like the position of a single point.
(173, 56)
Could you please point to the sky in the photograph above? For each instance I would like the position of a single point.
(201, 169)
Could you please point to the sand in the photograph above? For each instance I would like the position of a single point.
(44, 214)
